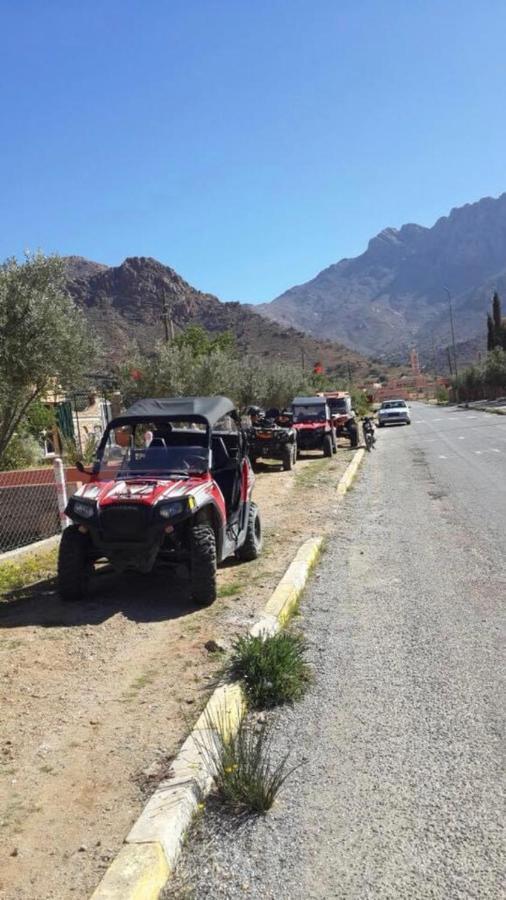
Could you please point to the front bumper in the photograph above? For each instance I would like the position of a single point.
(401, 418)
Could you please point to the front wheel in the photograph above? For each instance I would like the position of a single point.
(74, 565)
(252, 546)
(368, 441)
(203, 564)
(288, 459)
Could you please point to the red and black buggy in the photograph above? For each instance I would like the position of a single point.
(171, 483)
(312, 420)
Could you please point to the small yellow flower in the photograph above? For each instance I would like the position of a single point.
(229, 769)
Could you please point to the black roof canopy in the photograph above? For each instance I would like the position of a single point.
(209, 408)
(309, 401)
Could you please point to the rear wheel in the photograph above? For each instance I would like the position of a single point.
(353, 433)
(203, 564)
(74, 565)
(288, 458)
(327, 445)
(253, 542)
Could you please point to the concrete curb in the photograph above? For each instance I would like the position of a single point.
(150, 852)
(349, 476)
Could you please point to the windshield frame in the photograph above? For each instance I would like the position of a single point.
(119, 472)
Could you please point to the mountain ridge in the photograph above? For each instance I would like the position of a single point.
(124, 304)
(393, 295)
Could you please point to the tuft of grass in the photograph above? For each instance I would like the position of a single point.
(246, 777)
(230, 590)
(273, 669)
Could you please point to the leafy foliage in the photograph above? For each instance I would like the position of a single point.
(487, 379)
(196, 363)
(442, 396)
(496, 326)
(43, 337)
(273, 670)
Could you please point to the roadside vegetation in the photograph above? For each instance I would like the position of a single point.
(247, 778)
(34, 567)
(197, 363)
(46, 345)
(273, 670)
(487, 379)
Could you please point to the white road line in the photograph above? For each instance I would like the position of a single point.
(419, 421)
(470, 417)
(461, 437)
(494, 450)
(443, 457)
(478, 452)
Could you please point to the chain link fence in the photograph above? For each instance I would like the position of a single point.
(29, 509)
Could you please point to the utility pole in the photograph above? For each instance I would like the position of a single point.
(303, 354)
(434, 362)
(168, 324)
(453, 333)
(449, 361)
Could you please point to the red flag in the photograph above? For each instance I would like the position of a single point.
(318, 368)
(136, 375)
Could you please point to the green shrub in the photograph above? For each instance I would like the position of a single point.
(273, 670)
(442, 396)
(22, 452)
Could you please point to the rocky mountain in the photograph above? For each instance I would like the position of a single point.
(393, 295)
(124, 304)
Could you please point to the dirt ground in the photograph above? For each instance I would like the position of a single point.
(96, 699)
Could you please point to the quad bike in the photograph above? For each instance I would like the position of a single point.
(171, 483)
(272, 436)
(312, 421)
(369, 435)
(343, 415)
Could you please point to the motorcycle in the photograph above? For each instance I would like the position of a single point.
(369, 433)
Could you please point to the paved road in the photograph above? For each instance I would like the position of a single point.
(399, 795)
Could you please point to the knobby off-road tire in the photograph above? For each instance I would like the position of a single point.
(74, 565)
(253, 543)
(288, 458)
(203, 564)
(368, 438)
(327, 445)
(353, 433)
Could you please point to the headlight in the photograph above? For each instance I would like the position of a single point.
(85, 510)
(174, 508)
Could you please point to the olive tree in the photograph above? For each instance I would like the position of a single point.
(44, 340)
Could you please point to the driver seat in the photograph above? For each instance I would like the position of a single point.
(225, 471)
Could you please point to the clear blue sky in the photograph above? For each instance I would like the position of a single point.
(246, 143)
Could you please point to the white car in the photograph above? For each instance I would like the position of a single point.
(392, 411)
